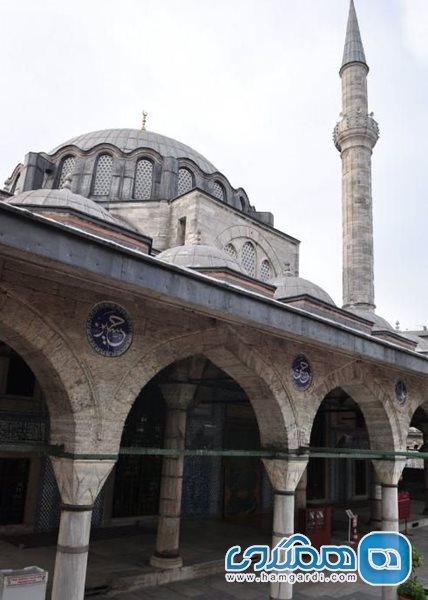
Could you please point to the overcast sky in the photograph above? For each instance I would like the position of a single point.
(253, 85)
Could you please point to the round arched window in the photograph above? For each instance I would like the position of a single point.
(231, 251)
(185, 181)
(103, 174)
(248, 258)
(265, 270)
(67, 167)
(218, 191)
(143, 179)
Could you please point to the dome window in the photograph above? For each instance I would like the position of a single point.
(103, 174)
(248, 258)
(265, 270)
(67, 167)
(231, 251)
(185, 181)
(218, 191)
(143, 179)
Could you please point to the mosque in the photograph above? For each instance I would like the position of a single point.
(161, 355)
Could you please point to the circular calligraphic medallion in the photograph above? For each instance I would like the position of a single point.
(109, 329)
(301, 371)
(401, 392)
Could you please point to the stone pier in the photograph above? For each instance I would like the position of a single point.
(79, 483)
(179, 398)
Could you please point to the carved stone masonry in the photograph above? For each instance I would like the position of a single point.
(80, 481)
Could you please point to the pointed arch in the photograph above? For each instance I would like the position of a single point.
(65, 382)
(266, 392)
(384, 428)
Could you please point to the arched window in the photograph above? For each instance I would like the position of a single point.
(248, 258)
(265, 270)
(242, 201)
(185, 181)
(231, 250)
(67, 167)
(218, 191)
(143, 179)
(103, 173)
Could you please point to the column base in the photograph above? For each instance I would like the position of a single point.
(166, 562)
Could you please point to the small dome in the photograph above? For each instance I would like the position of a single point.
(199, 256)
(64, 199)
(379, 323)
(288, 286)
(128, 140)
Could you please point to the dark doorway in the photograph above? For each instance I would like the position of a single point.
(137, 477)
(13, 489)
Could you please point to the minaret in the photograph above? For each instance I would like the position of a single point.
(355, 135)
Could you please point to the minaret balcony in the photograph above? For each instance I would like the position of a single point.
(356, 128)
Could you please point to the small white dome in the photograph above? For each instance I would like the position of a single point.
(379, 323)
(289, 286)
(64, 199)
(194, 256)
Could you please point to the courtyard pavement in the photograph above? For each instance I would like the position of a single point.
(119, 559)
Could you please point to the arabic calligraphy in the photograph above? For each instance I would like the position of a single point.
(302, 372)
(109, 329)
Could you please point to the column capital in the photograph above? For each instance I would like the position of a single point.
(389, 471)
(80, 481)
(178, 395)
(285, 473)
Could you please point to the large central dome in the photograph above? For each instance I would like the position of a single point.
(128, 140)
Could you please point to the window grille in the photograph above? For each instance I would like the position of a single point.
(231, 251)
(103, 174)
(185, 181)
(218, 190)
(248, 258)
(67, 167)
(143, 179)
(265, 270)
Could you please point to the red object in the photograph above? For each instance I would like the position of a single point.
(403, 505)
(315, 522)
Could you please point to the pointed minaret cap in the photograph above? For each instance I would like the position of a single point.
(353, 51)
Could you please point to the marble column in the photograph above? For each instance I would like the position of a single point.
(79, 483)
(284, 475)
(375, 500)
(389, 473)
(179, 397)
(301, 497)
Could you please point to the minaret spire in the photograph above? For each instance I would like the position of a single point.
(355, 136)
(353, 51)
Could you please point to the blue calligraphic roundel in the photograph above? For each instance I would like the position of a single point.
(301, 371)
(109, 329)
(401, 392)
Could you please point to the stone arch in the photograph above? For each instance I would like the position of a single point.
(251, 234)
(383, 426)
(266, 392)
(65, 382)
(418, 402)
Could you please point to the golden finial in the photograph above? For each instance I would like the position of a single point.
(143, 124)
